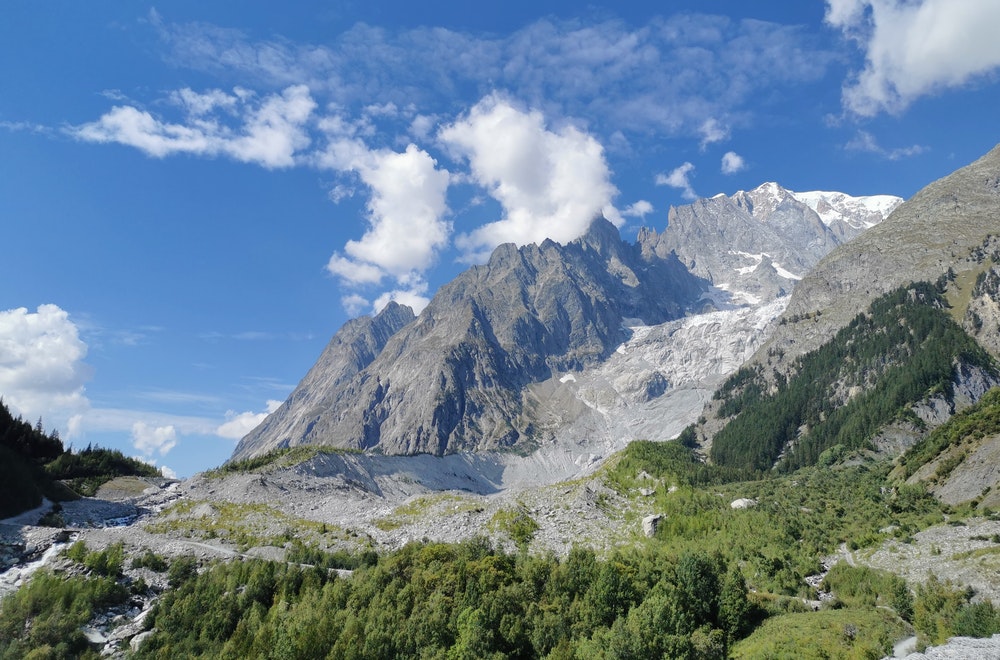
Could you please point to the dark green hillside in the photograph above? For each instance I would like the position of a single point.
(34, 464)
(904, 348)
(24, 450)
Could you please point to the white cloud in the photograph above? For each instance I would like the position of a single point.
(406, 225)
(153, 439)
(354, 304)
(640, 209)
(666, 75)
(732, 163)
(866, 142)
(550, 183)
(42, 372)
(164, 470)
(679, 178)
(915, 47)
(712, 131)
(238, 425)
(102, 420)
(271, 134)
(199, 104)
(412, 298)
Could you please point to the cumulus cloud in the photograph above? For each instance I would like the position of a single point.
(238, 425)
(550, 183)
(153, 439)
(679, 178)
(272, 131)
(865, 142)
(640, 209)
(406, 208)
(732, 163)
(914, 48)
(42, 372)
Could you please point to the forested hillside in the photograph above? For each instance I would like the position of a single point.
(904, 348)
(34, 464)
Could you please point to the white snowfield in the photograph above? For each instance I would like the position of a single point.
(859, 212)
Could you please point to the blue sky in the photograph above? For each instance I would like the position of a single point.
(195, 196)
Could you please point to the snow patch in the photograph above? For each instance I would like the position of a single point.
(788, 275)
(568, 378)
(859, 212)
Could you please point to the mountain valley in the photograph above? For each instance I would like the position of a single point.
(778, 386)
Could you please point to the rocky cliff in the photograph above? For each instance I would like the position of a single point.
(576, 349)
(453, 379)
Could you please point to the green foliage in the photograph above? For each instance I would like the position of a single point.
(29, 441)
(942, 610)
(24, 449)
(243, 525)
(300, 553)
(182, 569)
(973, 423)
(282, 457)
(32, 463)
(465, 600)
(861, 587)
(20, 487)
(835, 634)
(107, 562)
(903, 349)
(44, 616)
(91, 468)
(671, 461)
(517, 523)
(150, 560)
(799, 517)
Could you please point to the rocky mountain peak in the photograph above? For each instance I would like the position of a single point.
(477, 369)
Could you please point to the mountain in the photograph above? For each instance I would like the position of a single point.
(951, 223)
(757, 244)
(572, 349)
(452, 380)
(885, 339)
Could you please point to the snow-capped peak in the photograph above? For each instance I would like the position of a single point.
(859, 212)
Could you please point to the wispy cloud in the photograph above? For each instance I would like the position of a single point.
(25, 127)
(865, 142)
(639, 209)
(712, 131)
(915, 47)
(271, 133)
(680, 178)
(667, 75)
(238, 425)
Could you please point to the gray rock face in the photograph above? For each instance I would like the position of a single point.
(452, 380)
(352, 349)
(576, 349)
(982, 318)
(755, 245)
(650, 524)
